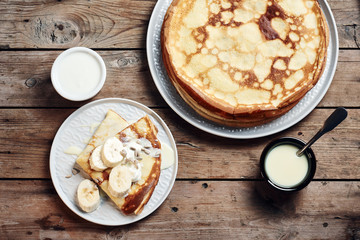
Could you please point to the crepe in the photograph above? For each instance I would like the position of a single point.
(141, 191)
(244, 63)
(109, 127)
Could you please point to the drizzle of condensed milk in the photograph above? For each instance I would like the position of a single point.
(73, 150)
(167, 156)
(284, 167)
(92, 127)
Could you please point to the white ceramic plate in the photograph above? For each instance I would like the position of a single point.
(173, 99)
(76, 130)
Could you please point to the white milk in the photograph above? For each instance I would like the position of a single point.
(284, 167)
(79, 73)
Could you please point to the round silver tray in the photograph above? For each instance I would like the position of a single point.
(173, 99)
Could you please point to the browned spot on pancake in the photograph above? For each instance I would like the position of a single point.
(214, 19)
(276, 74)
(265, 21)
(201, 35)
(266, 29)
(250, 80)
(273, 9)
(105, 175)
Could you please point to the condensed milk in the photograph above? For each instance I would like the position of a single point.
(283, 169)
(78, 73)
(167, 156)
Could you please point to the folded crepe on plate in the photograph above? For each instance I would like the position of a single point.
(131, 180)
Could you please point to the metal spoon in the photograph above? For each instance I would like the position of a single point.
(333, 120)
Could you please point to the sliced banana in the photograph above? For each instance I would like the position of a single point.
(88, 196)
(120, 180)
(111, 152)
(96, 162)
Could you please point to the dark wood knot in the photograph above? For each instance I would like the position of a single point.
(31, 82)
(126, 61)
(49, 30)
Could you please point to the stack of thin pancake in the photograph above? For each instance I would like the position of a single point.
(244, 62)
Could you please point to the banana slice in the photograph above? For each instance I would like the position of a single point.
(88, 196)
(120, 180)
(96, 163)
(111, 152)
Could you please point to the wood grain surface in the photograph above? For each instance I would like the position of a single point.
(218, 193)
(27, 135)
(113, 24)
(194, 210)
(26, 81)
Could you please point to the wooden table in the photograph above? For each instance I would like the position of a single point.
(214, 196)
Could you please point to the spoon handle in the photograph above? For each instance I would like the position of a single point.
(331, 122)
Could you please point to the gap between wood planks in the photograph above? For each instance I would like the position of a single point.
(199, 179)
(62, 49)
(101, 49)
(152, 107)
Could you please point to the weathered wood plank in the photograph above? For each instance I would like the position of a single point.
(25, 80)
(347, 17)
(26, 136)
(193, 210)
(112, 24)
(341, 91)
(63, 24)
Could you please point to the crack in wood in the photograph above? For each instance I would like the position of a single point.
(49, 222)
(187, 144)
(354, 35)
(7, 46)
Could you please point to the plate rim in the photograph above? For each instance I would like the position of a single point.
(52, 165)
(333, 36)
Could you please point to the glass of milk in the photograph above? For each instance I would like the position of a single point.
(283, 169)
(78, 73)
